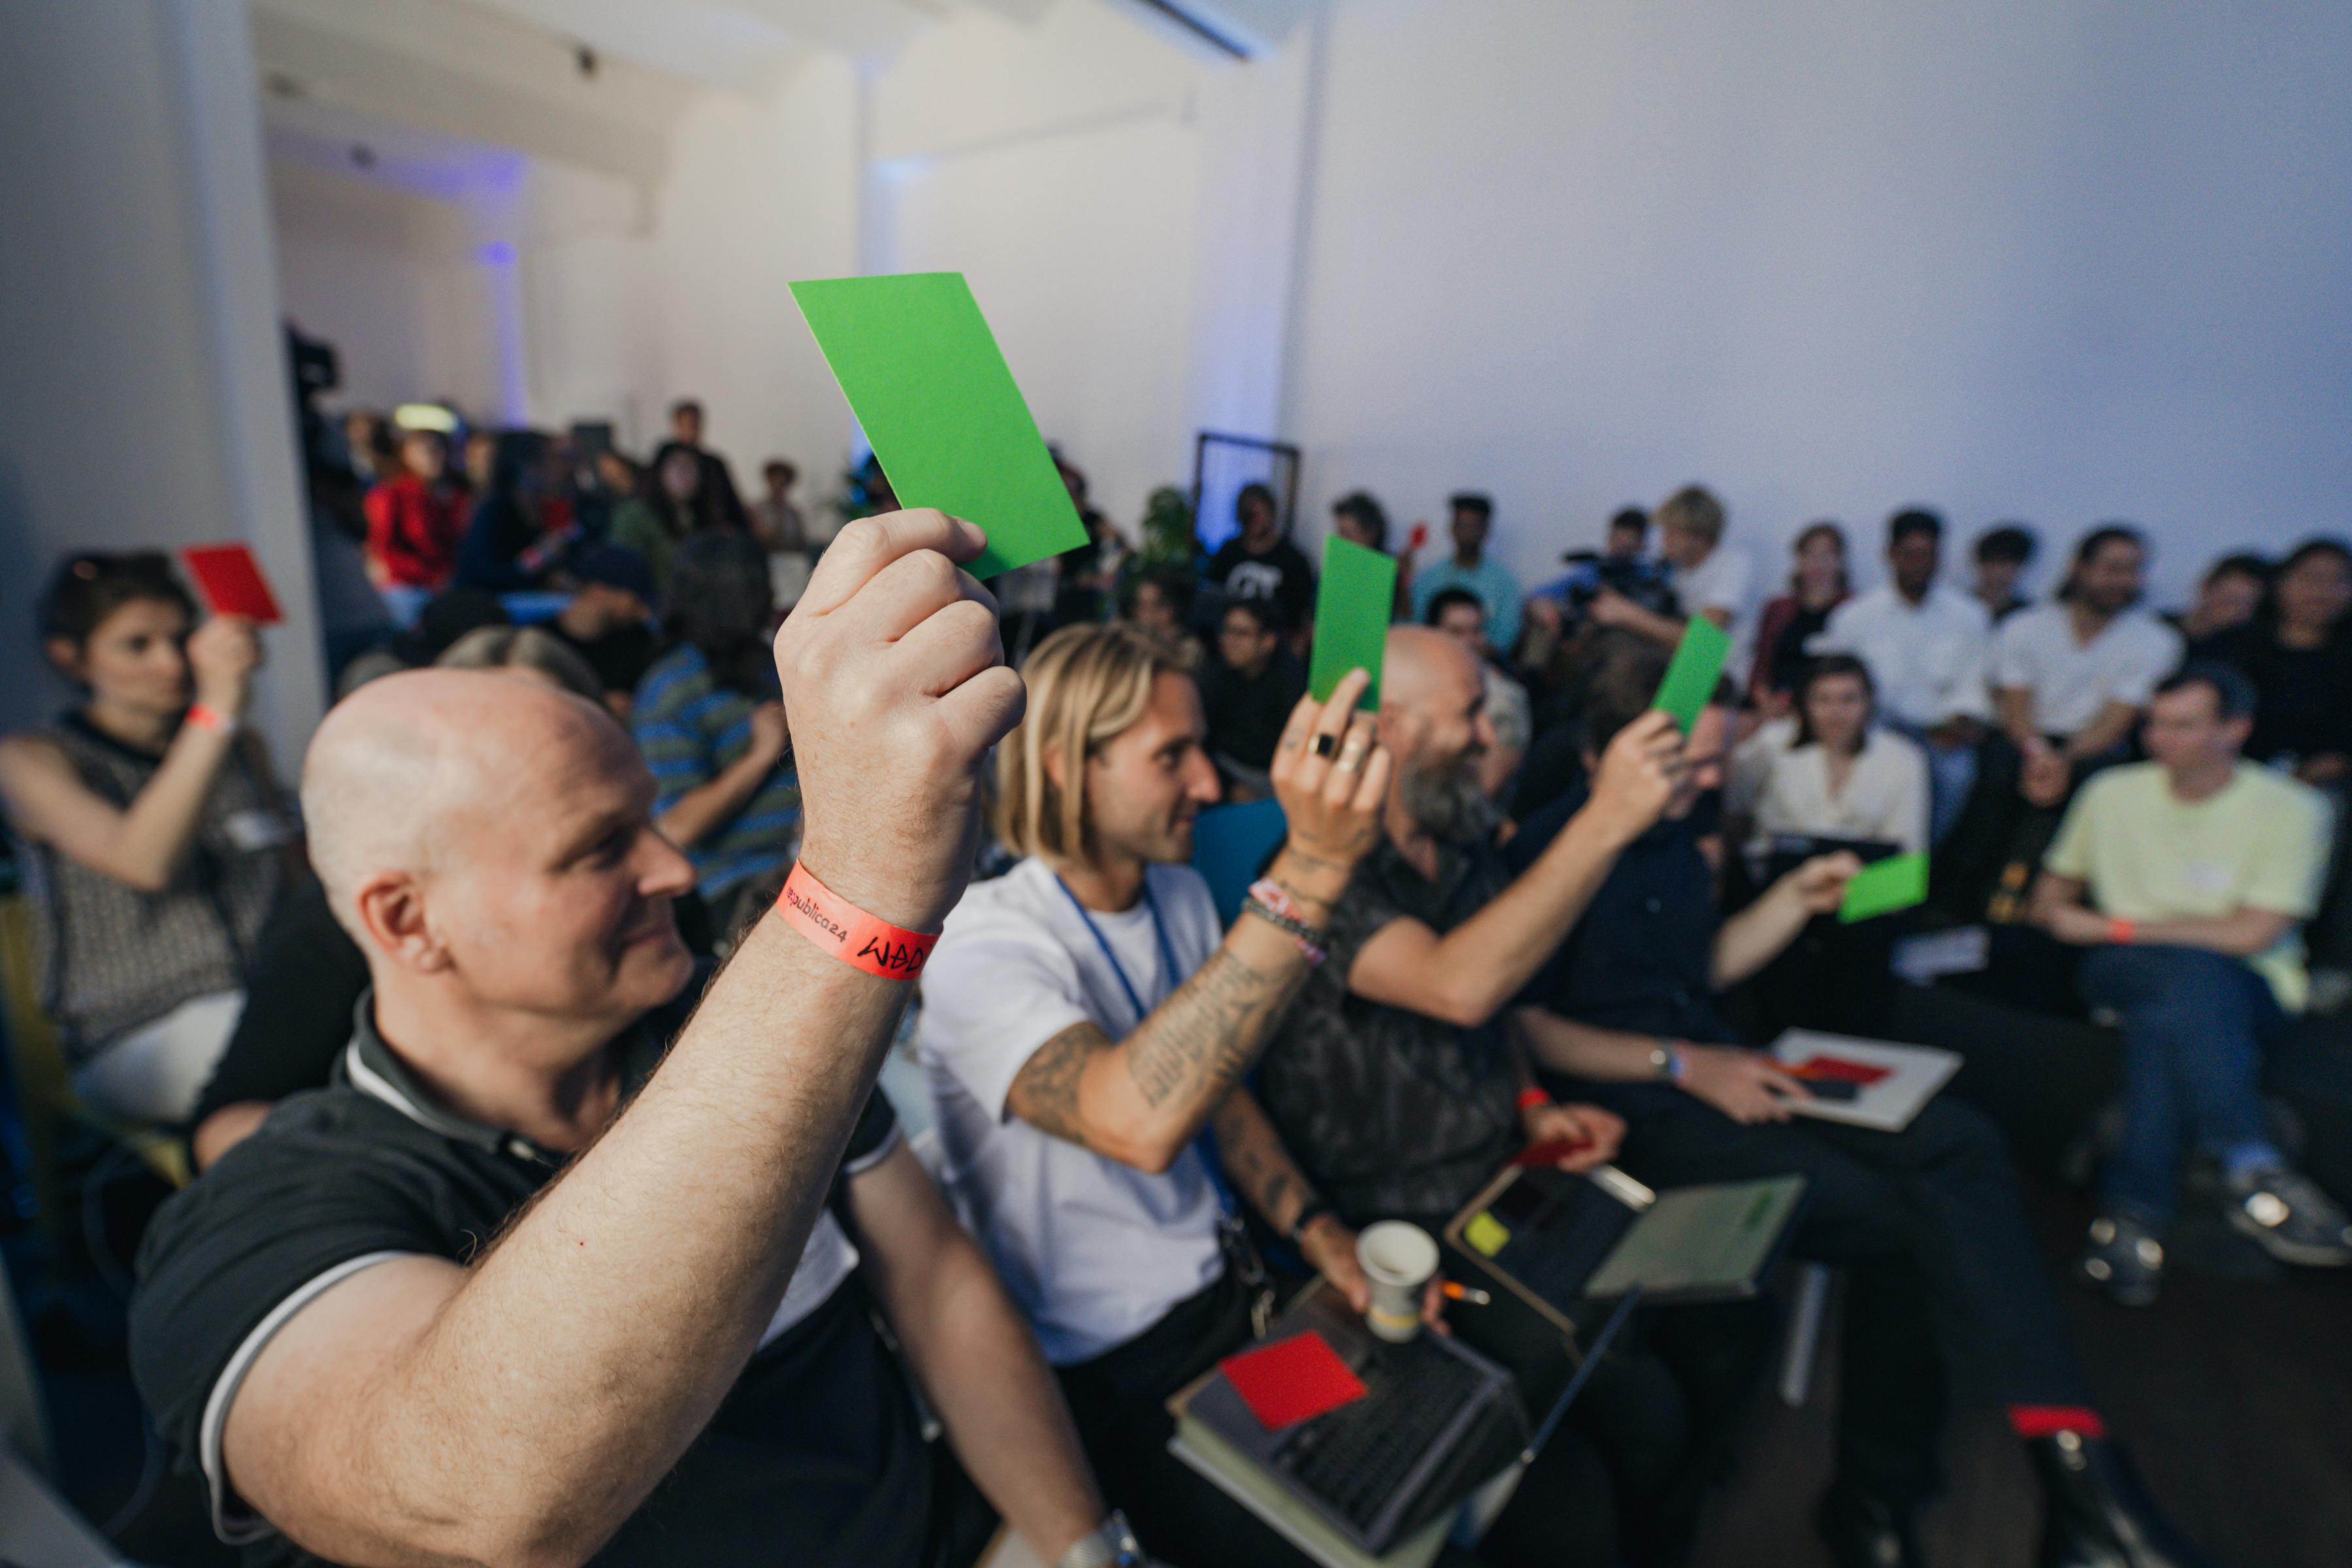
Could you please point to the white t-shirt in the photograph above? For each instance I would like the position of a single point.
(1094, 1251)
(1724, 581)
(2071, 680)
(1926, 659)
(1786, 789)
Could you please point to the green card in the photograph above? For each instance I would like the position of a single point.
(915, 358)
(1351, 617)
(1691, 678)
(1897, 882)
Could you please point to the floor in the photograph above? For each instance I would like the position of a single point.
(2229, 1393)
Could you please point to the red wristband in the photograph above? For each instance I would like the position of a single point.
(2121, 931)
(212, 719)
(840, 927)
(1531, 1097)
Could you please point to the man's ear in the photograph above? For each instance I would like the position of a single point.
(66, 654)
(392, 910)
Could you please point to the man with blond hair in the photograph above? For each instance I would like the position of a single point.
(520, 1287)
(1713, 576)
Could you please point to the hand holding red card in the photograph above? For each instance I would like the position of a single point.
(231, 582)
(1292, 1380)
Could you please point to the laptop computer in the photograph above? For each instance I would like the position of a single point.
(1559, 1240)
(1436, 1422)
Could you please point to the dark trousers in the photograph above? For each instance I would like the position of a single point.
(1928, 1226)
(2195, 1026)
(1560, 1518)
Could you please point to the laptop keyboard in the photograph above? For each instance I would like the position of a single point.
(1359, 1456)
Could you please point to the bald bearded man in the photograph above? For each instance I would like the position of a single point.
(520, 1289)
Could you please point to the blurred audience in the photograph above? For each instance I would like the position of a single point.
(1157, 603)
(1457, 613)
(679, 506)
(1470, 569)
(1260, 562)
(720, 503)
(2002, 553)
(609, 621)
(710, 727)
(1830, 769)
(2297, 650)
(2187, 877)
(1712, 576)
(505, 545)
(2227, 595)
(416, 520)
(1359, 518)
(1246, 694)
(1818, 585)
(156, 835)
(1925, 646)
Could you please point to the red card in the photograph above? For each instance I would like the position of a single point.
(230, 580)
(1841, 1070)
(1549, 1153)
(1417, 538)
(1292, 1380)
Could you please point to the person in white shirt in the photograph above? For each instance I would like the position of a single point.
(2072, 676)
(1925, 645)
(1713, 576)
(1830, 770)
(1083, 1019)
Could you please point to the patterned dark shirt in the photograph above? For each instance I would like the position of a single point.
(1393, 1112)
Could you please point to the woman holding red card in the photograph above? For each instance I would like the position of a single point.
(155, 834)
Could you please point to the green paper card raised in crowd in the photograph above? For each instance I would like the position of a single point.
(1691, 678)
(1897, 882)
(923, 374)
(1351, 617)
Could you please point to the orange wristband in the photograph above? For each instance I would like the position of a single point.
(212, 719)
(2120, 930)
(860, 940)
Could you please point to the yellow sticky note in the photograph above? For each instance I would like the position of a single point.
(1486, 1233)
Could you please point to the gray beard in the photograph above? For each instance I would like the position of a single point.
(1447, 803)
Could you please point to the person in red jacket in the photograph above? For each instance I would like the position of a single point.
(416, 517)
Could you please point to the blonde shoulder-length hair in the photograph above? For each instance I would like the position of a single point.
(1087, 684)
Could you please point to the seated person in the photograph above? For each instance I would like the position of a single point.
(1713, 576)
(520, 1287)
(2228, 596)
(1392, 1081)
(2298, 651)
(1260, 563)
(1081, 1020)
(416, 517)
(609, 622)
(1155, 602)
(1925, 1221)
(1457, 613)
(1248, 692)
(2187, 877)
(306, 973)
(155, 839)
(708, 724)
(1832, 771)
(1925, 645)
(2002, 553)
(1818, 585)
(1472, 569)
(2070, 676)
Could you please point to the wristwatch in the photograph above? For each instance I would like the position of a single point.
(1316, 1209)
(1666, 1062)
(1111, 1545)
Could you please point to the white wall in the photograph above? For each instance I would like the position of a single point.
(142, 400)
(2061, 262)
(390, 279)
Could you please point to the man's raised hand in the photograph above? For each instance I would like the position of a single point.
(1331, 776)
(896, 687)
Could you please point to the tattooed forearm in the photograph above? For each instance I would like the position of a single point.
(1044, 1093)
(1258, 1166)
(1200, 1039)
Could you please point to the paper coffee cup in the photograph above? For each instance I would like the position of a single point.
(1398, 1261)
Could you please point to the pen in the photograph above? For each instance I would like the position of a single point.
(1469, 1293)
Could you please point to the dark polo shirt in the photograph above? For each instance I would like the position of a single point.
(1389, 1112)
(815, 1456)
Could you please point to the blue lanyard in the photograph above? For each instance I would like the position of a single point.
(1168, 976)
(1205, 1143)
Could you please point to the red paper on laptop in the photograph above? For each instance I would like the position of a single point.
(231, 582)
(1292, 1380)
(1841, 1070)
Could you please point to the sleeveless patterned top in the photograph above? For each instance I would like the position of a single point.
(110, 957)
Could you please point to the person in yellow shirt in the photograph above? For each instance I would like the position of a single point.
(2189, 876)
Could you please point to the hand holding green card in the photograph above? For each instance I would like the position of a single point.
(1351, 618)
(1691, 678)
(1897, 882)
(923, 374)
